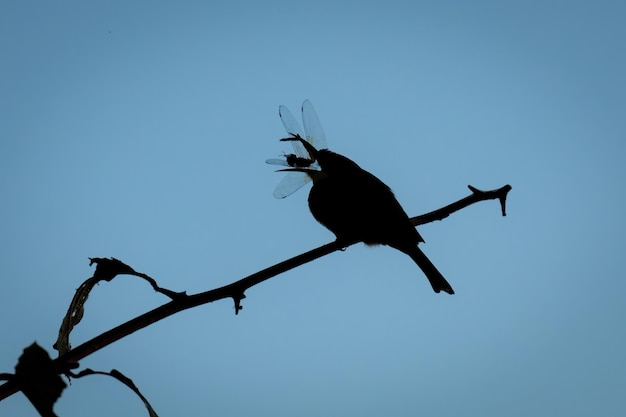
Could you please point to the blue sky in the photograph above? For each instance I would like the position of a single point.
(140, 131)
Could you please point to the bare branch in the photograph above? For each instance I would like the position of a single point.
(236, 290)
(476, 196)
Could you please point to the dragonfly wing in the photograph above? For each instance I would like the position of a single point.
(276, 161)
(312, 127)
(292, 182)
(293, 128)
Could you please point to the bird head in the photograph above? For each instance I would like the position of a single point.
(331, 163)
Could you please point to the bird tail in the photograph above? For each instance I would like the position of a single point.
(437, 280)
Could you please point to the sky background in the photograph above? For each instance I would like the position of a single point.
(139, 130)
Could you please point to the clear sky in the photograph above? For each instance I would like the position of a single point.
(139, 130)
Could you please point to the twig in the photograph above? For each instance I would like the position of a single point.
(476, 196)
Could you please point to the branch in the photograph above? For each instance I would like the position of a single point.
(236, 290)
(476, 196)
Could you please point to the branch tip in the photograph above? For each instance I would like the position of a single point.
(476, 196)
(504, 192)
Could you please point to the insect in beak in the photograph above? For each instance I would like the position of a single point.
(309, 148)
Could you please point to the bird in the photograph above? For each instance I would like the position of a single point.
(358, 207)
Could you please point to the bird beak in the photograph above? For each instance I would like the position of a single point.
(305, 170)
(313, 173)
(309, 148)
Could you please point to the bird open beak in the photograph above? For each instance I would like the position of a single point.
(313, 173)
(309, 148)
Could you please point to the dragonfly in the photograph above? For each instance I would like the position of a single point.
(313, 133)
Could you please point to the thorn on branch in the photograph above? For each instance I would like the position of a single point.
(237, 299)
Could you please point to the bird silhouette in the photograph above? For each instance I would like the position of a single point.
(358, 207)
